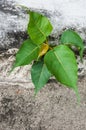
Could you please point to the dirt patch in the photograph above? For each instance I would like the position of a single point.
(54, 108)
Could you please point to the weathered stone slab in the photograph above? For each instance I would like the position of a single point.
(21, 75)
(13, 23)
(62, 14)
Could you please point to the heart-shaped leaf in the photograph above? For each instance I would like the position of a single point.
(61, 62)
(40, 75)
(39, 27)
(71, 37)
(27, 52)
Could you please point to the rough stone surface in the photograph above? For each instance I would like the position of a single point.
(13, 24)
(54, 108)
(62, 14)
(21, 75)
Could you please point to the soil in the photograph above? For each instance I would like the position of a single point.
(54, 108)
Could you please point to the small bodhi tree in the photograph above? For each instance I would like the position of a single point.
(59, 61)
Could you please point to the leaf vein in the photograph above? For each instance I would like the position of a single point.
(62, 66)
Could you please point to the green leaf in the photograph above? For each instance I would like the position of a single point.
(71, 37)
(40, 75)
(27, 52)
(39, 27)
(61, 62)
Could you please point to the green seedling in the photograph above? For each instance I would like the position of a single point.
(59, 61)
